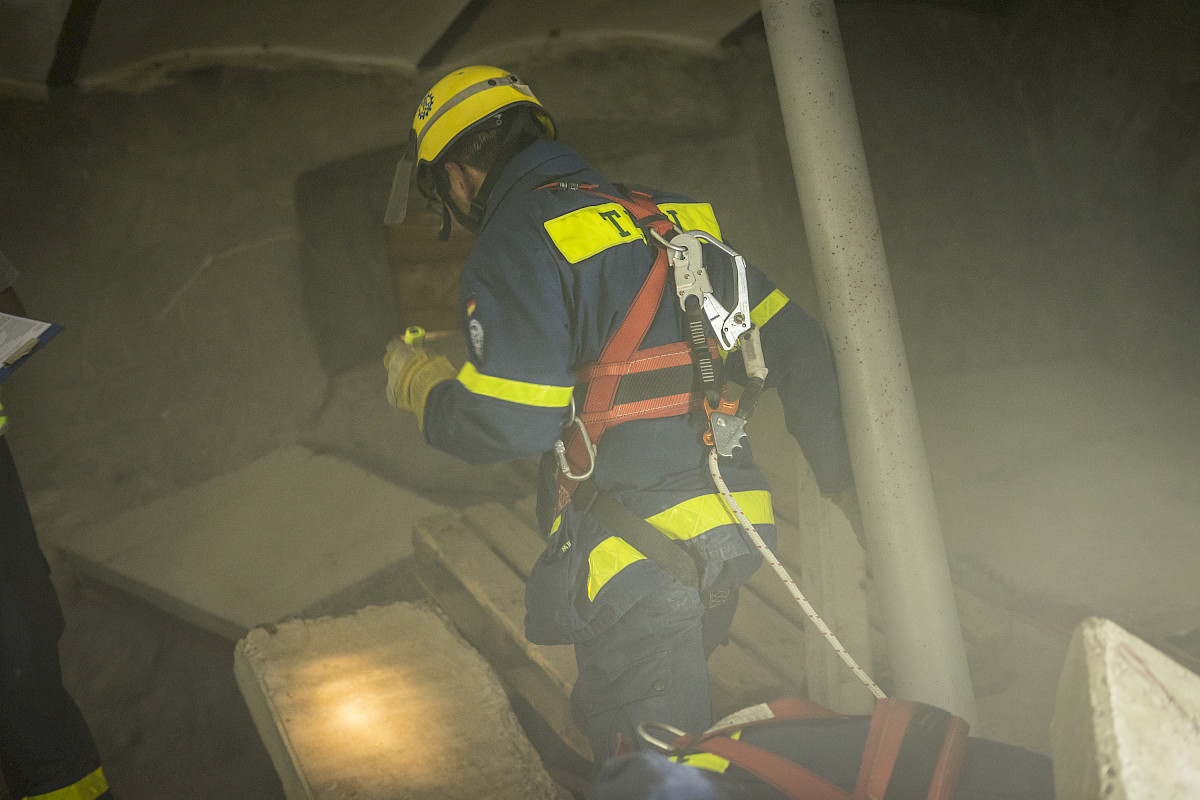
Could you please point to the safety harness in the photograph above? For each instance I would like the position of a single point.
(626, 383)
(913, 750)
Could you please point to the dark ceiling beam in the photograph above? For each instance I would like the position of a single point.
(436, 54)
(72, 40)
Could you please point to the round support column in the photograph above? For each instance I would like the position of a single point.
(905, 548)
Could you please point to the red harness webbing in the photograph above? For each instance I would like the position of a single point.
(927, 768)
(620, 356)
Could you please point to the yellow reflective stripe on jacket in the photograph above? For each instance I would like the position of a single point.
(527, 394)
(583, 233)
(693, 517)
(769, 307)
(607, 559)
(692, 217)
(88, 788)
(3, 419)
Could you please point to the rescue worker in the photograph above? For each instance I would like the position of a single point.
(549, 288)
(46, 749)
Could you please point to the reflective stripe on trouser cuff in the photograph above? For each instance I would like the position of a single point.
(693, 517)
(88, 788)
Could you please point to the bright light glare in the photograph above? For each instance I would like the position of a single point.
(352, 716)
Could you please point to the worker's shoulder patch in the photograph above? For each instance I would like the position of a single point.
(692, 217)
(587, 231)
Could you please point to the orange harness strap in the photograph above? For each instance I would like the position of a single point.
(620, 356)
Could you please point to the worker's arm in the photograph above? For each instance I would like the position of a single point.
(513, 394)
(800, 366)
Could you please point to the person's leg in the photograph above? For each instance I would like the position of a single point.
(649, 666)
(45, 745)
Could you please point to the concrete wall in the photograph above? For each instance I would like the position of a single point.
(1037, 174)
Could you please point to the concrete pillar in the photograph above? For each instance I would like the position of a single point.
(905, 548)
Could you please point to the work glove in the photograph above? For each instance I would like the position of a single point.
(412, 374)
(847, 501)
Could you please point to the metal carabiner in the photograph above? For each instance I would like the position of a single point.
(727, 325)
(560, 449)
(644, 728)
(659, 238)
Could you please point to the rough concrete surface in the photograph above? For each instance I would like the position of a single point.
(1127, 720)
(387, 703)
(1037, 174)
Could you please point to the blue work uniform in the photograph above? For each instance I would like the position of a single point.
(549, 279)
(46, 748)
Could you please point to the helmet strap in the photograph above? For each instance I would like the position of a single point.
(444, 233)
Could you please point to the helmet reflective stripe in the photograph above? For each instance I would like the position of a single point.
(440, 142)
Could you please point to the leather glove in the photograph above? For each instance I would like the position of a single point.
(412, 374)
(847, 501)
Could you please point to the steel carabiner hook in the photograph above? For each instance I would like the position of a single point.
(560, 450)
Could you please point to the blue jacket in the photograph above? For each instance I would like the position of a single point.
(547, 282)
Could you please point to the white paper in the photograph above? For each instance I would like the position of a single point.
(18, 335)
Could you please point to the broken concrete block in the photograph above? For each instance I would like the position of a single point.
(1126, 720)
(388, 702)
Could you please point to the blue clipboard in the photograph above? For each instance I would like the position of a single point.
(43, 338)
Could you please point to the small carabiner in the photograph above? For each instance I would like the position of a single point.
(560, 450)
(668, 245)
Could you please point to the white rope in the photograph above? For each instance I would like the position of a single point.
(809, 611)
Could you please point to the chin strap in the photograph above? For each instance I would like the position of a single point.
(444, 233)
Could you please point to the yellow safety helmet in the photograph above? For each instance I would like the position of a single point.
(458, 103)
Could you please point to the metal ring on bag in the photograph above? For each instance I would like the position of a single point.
(643, 729)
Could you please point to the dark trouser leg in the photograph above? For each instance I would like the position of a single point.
(649, 666)
(45, 745)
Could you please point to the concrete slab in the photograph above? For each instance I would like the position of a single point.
(1126, 720)
(388, 703)
(256, 545)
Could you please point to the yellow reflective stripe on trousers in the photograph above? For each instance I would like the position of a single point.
(527, 394)
(88, 788)
(3, 419)
(587, 231)
(607, 559)
(684, 521)
(692, 217)
(769, 307)
(693, 517)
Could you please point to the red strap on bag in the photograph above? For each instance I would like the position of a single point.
(899, 761)
(913, 752)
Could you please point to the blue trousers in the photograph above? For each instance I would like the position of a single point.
(45, 745)
(651, 665)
